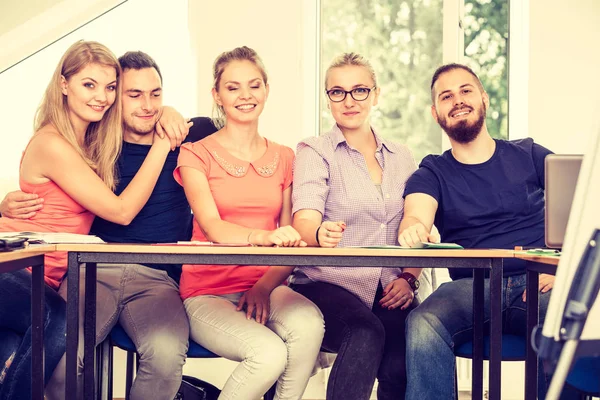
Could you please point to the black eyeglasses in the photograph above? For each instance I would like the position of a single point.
(358, 94)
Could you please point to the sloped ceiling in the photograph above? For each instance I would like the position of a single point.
(16, 12)
(26, 26)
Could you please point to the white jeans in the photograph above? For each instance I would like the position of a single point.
(283, 351)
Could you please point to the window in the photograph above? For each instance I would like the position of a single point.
(485, 25)
(403, 41)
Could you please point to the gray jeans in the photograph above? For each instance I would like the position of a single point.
(146, 303)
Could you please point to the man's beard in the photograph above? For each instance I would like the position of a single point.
(138, 130)
(464, 132)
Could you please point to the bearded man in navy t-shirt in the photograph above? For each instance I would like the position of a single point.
(482, 193)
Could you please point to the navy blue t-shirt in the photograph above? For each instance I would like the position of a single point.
(166, 217)
(497, 204)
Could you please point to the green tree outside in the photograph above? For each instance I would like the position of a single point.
(403, 41)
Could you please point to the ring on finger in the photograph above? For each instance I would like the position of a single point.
(327, 233)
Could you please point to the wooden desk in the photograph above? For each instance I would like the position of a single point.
(478, 260)
(536, 264)
(32, 256)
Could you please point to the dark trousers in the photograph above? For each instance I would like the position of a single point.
(369, 343)
(15, 334)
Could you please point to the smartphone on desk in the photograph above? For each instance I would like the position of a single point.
(9, 244)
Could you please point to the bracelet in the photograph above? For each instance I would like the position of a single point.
(317, 235)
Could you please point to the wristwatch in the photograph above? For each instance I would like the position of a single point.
(411, 279)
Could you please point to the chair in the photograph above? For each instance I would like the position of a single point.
(118, 337)
(513, 349)
(585, 377)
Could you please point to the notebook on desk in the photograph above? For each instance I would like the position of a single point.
(51, 237)
(561, 173)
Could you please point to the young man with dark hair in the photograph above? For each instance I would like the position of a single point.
(144, 299)
(482, 193)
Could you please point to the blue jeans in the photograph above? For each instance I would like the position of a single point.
(15, 333)
(445, 320)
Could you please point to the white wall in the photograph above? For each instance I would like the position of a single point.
(564, 62)
(284, 34)
(131, 26)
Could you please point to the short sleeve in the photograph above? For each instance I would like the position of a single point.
(311, 176)
(423, 180)
(193, 155)
(538, 154)
(287, 161)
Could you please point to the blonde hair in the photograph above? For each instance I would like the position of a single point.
(243, 53)
(103, 139)
(353, 59)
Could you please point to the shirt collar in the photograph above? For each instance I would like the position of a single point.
(338, 137)
(265, 166)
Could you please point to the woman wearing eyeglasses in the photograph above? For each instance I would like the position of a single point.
(348, 186)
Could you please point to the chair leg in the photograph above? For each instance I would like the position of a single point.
(129, 375)
(455, 380)
(104, 378)
(110, 371)
(98, 370)
(270, 395)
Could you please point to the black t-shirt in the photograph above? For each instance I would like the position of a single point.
(166, 217)
(497, 204)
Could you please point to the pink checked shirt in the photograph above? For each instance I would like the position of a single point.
(332, 177)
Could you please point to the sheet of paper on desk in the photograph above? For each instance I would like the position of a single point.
(424, 245)
(53, 237)
(419, 245)
(198, 243)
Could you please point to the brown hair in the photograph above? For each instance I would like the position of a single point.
(451, 67)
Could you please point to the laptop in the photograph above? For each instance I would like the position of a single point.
(562, 171)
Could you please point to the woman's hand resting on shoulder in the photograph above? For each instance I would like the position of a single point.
(163, 142)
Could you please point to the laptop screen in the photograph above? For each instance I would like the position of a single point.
(561, 173)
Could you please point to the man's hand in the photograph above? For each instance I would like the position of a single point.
(397, 293)
(256, 301)
(20, 205)
(546, 283)
(173, 125)
(434, 235)
(417, 233)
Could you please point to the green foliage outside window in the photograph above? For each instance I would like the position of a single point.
(403, 41)
(486, 50)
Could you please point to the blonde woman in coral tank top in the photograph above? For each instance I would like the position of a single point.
(69, 162)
